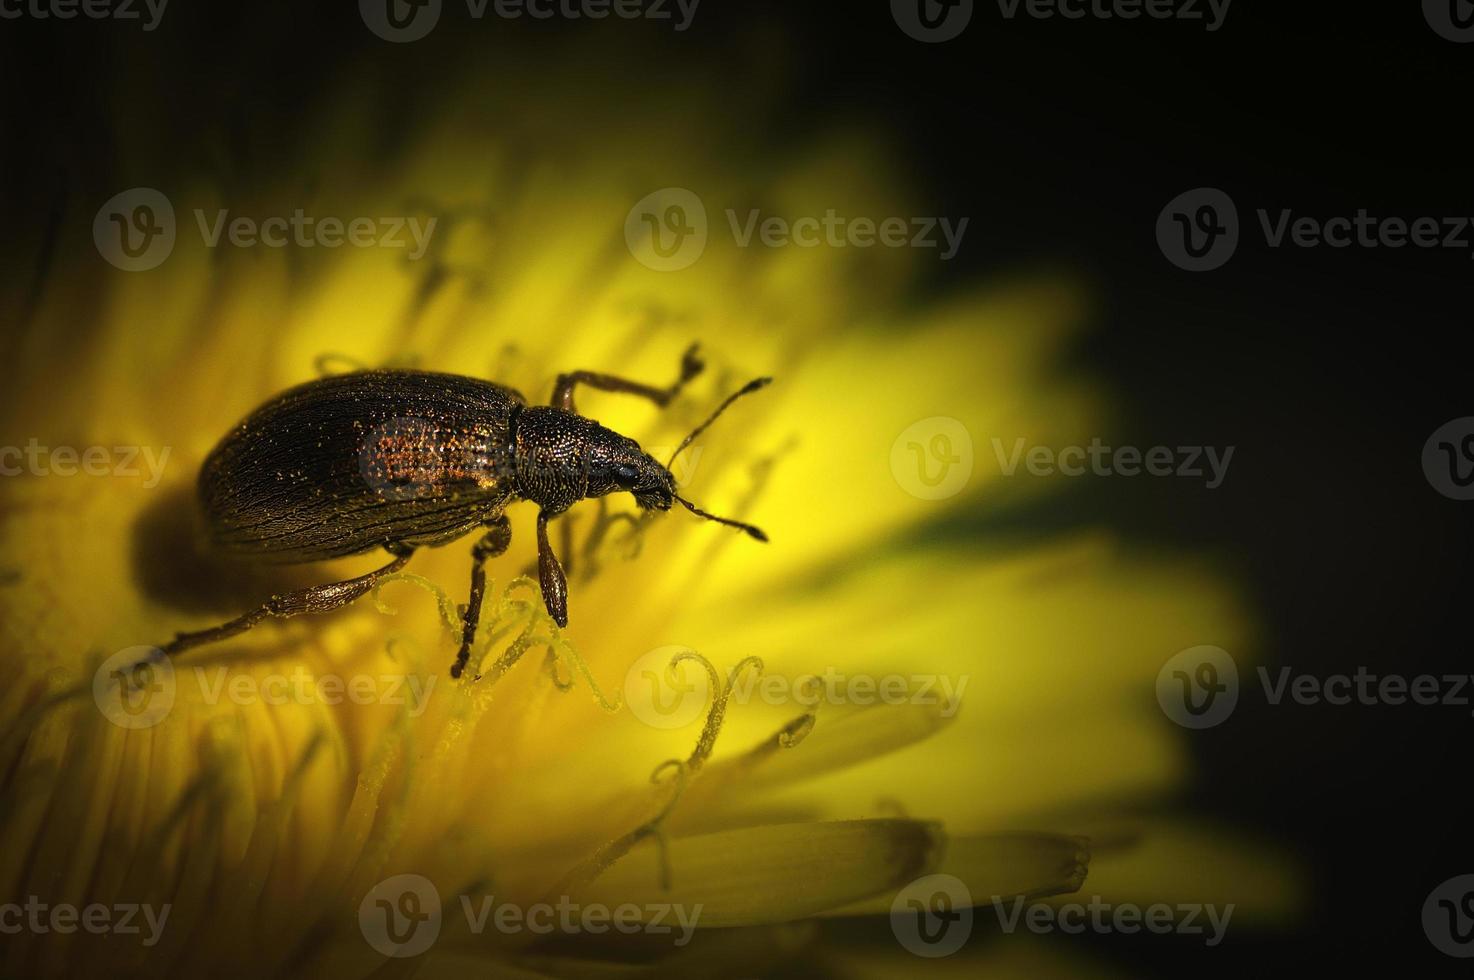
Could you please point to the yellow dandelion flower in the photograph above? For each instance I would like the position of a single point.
(734, 753)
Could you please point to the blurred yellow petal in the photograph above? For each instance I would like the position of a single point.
(773, 873)
(1002, 866)
(1190, 861)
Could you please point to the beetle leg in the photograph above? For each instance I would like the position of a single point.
(318, 599)
(550, 574)
(493, 543)
(691, 366)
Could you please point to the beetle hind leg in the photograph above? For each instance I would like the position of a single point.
(495, 542)
(318, 599)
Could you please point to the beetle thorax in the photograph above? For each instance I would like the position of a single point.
(550, 448)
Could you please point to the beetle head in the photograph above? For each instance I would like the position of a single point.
(617, 463)
(562, 457)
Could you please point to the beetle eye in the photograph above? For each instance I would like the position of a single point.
(625, 475)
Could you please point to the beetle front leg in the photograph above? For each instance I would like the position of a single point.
(493, 543)
(691, 366)
(550, 574)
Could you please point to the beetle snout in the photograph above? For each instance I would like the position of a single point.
(657, 499)
(657, 488)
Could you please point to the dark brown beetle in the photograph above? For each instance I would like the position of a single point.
(403, 459)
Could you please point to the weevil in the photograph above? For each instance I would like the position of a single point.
(399, 459)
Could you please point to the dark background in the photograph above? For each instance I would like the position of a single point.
(1062, 140)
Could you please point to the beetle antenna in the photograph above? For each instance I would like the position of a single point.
(746, 389)
(751, 529)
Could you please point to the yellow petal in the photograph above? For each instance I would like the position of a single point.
(774, 873)
(1003, 866)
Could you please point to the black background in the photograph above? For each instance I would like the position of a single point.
(1062, 140)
